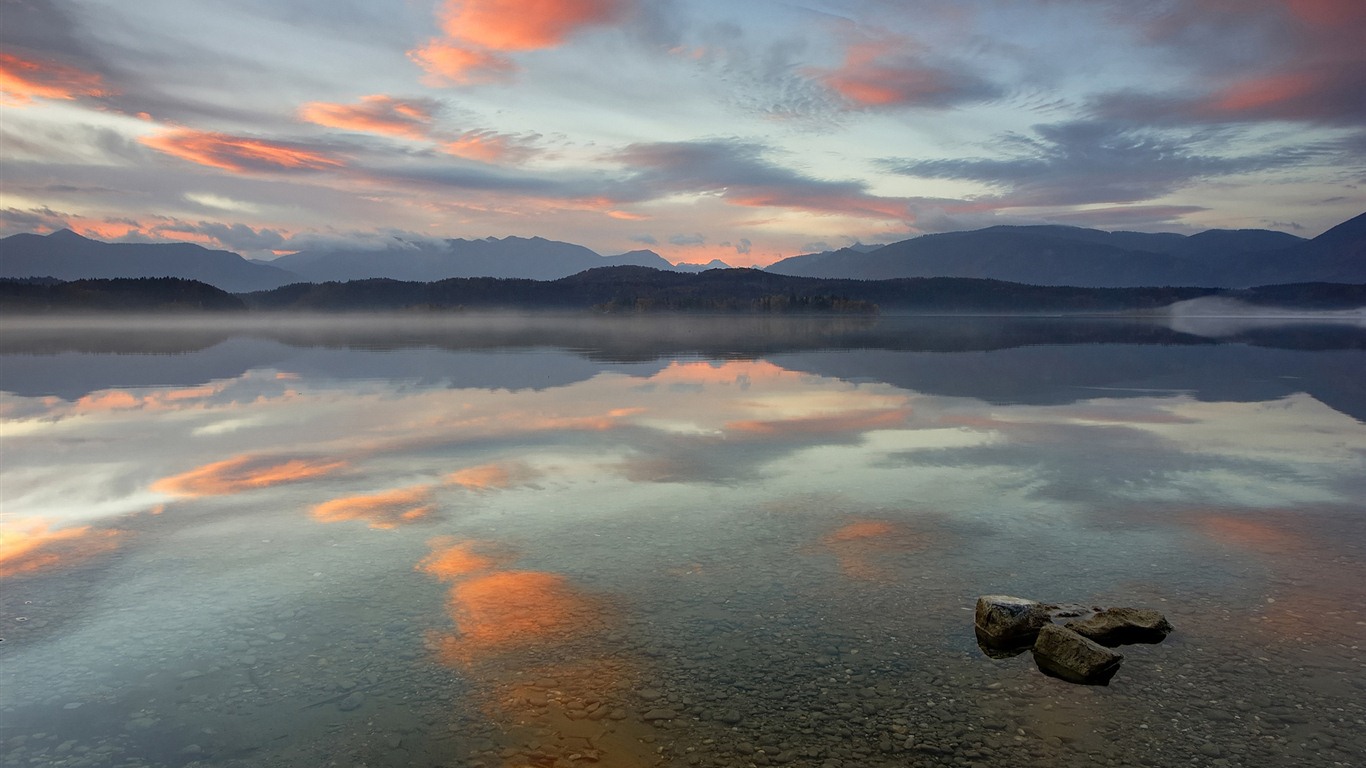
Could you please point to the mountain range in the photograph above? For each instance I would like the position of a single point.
(1047, 255)
(66, 255)
(1074, 256)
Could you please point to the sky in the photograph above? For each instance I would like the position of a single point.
(700, 129)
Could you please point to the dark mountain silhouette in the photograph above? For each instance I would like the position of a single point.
(120, 294)
(634, 289)
(646, 258)
(532, 258)
(1059, 255)
(68, 256)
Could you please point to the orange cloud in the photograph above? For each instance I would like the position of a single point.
(27, 546)
(525, 25)
(485, 477)
(244, 473)
(480, 33)
(388, 509)
(447, 63)
(22, 80)
(489, 147)
(239, 154)
(374, 114)
(853, 421)
(451, 559)
(113, 400)
(509, 610)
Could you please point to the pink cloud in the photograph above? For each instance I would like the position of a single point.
(884, 71)
(525, 25)
(239, 154)
(479, 34)
(377, 113)
(453, 64)
(22, 80)
(1311, 65)
(490, 147)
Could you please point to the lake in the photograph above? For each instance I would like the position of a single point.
(710, 541)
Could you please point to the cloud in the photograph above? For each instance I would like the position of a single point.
(693, 239)
(22, 80)
(1259, 60)
(240, 154)
(643, 239)
(492, 147)
(245, 473)
(525, 25)
(886, 71)
(737, 171)
(388, 509)
(1084, 162)
(744, 245)
(378, 113)
(479, 34)
(449, 64)
(234, 237)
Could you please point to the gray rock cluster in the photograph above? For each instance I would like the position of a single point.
(1078, 651)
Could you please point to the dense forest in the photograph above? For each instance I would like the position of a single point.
(119, 294)
(627, 289)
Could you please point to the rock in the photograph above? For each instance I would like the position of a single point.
(1008, 625)
(1121, 626)
(659, 714)
(352, 701)
(1062, 653)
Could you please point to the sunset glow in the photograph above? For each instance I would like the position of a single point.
(743, 133)
(31, 545)
(244, 473)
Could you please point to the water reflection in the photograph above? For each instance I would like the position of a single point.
(244, 473)
(30, 545)
(722, 546)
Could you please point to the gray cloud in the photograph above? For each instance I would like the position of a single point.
(694, 239)
(739, 172)
(744, 245)
(646, 239)
(1097, 161)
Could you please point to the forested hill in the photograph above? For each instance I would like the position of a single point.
(643, 289)
(120, 294)
(646, 289)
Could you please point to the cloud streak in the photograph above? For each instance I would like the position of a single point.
(22, 80)
(240, 154)
(377, 113)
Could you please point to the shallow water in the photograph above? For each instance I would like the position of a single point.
(717, 541)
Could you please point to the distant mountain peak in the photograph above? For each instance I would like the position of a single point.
(67, 234)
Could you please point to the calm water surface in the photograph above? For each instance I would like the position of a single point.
(714, 542)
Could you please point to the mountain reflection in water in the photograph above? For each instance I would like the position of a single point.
(657, 541)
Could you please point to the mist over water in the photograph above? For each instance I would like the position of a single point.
(549, 540)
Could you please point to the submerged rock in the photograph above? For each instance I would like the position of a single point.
(1062, 653)
(1008, 625)
(1121, 626)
